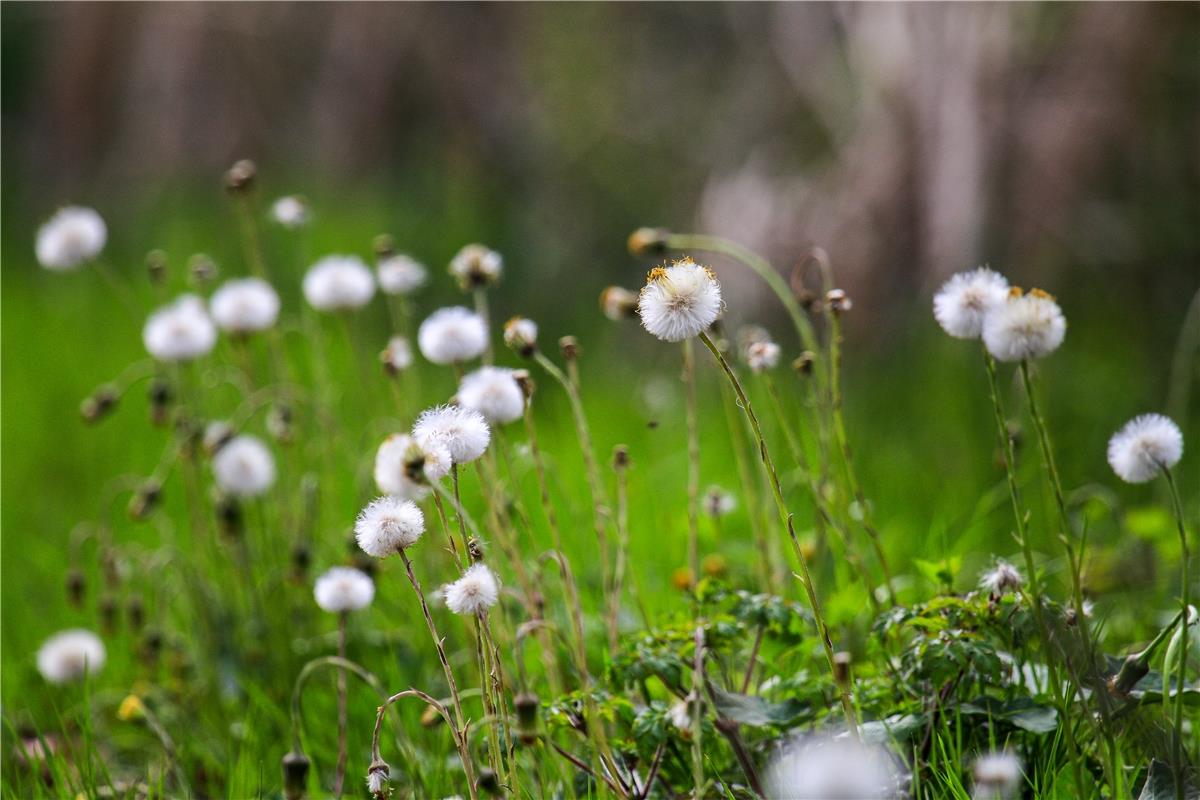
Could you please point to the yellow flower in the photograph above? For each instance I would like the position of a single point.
(131, 708)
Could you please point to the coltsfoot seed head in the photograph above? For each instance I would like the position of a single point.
(837, 301)
(963, 301)
(476, 265)
(338, 283)
(520, 333)
(1144, 447)
(400, 274)
(997, 775)
(180, 331)
(494, 393)
(402, 468)
(240, 177)
(762, 356)
(388, 525)
(680, 301)
(70, 238)
(474, 593)
(452, 335)
(378, 775)
(343, 589)
(820, 767)
(244, 467)
(291, 211)
(244, 305)
(397, 356)
(461, 432)
(1001, 579)
(70, 655)
(1024, 327)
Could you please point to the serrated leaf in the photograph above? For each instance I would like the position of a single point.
(757, 711)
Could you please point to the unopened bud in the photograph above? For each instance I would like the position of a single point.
(156, 266)
(620, 457)
(216, 435)
(145, 499)
(841, 668)
(151, 647)
(521, 335)
(102, 401)
(525, 381)
(202, 270)
(618, 303)
(75, 587)
(229, 516)
(384, 245)
(295, 775)
(527, 705)
(837, 301)
(108, 613)
(301, 560)
(648, 241)
(1133, 670)
(804, 363)
(160, 395)
(569, 346)
(476, 266)
(240, 177)
(137, 613)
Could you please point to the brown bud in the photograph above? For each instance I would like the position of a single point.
(240, 177)
(151, 647)
(475, 549)
(569, 346)
(527, 705)
(1133, 670)
(804, 363)
(295, 775)
(525, 381)
(618, 303)
(648, 241)
(837, 301)
(102, 401)
(620, 457)
(145, 499)
(76, 584)
(841, 668)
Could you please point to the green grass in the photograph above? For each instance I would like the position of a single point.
(236, 627)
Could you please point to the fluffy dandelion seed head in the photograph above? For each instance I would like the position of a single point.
(1024, 326)
(388, 525)
(244, 305)
(494, 393)
(462, 432)
(475, 592)
(401, 274)
(520, 333)
(718, 502)
(338, 283)
(398, 355)
(392, 471)
(679, 301)
(290, 211)
(476, 265)
(451, 335)
(997, 775)
(963, 301)
(1145, 446)
(820, 768)
(344, 589)
(73, 236)
(180, 331)
(244, 466)
(1001, 579)
(762, 356)
(69, 655)
(618, 303)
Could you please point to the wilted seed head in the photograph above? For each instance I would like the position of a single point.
(618, 303)
(295, 775)
(156, 266)
(99, 404)
(1133, 669)
(1001, 579)
(397, 356)
(520, 333)
(76, 585)
(997, 775)
(837, 301)
(202, 270)
(648, 241)
(229, 515)
(526, 382)
(384, 245)
(145, 499)
(240, 177)
(378, 775)
(489, 781)
(569, 347)
(476, 265)
(475, 549)
(803, 363)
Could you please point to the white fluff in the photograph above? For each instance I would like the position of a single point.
(461, 432)
(718, 502)
(1001, 579)
(475, 592)
(398, 355)
(997, 775)
(180, 331)
(1024, 326)
(1145, 446)
(820, 768)
(453, 334)
(476, 265)
(291, 212)
(520, 333)
(338, 283)
(963, 301)
(244, 305)
(494, 393)
(344, 589)
(244, 466)
(762, 356)
(388, 525)
(679, 301)
(401, 274)
(394, 462)
(73, 236)
(69, 655)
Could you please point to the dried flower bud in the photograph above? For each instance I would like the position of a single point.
(804, 363)
(295, 775)
(160, 395)
(526, 382)
(618, 303)
(378, 775)
(229, 516)
(240, 177)
(156, 266)
(620, 457)
(527, 705)
(837, 301)
(569, 346)
(1132, 670)
(475, 549)
(137, 613)
(145, 499)
(76, 584)
(102, 401)
(384, 245)
(489, 782)
(521, 335)
(648, 241)
(202, 270)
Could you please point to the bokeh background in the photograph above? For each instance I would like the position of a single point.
(1059, 143)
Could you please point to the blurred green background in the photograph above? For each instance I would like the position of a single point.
(1055, 142)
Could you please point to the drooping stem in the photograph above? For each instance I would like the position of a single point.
(459, 736)
(1181, 676)
(786, 519)
(339, 774)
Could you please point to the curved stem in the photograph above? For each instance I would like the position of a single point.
(458, 735)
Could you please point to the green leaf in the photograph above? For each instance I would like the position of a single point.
(757, 711)
(1022, 713)
(897, 726)
(1160, 782)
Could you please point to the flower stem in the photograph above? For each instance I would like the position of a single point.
(1181, 678)
(693, 477)
(786, 518)
(339, 774)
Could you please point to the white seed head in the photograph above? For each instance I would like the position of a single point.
(244, 466)
(679, 301)
(69, 655)
(520, 333)
(338, 283)
(1145, 446)
(1024, 326)
(476, 265)
(997, 775)
(820, 768)
(963, 301)
(494, 393)
(1001, 579)
(393, 472)
(344, 589)
(388, 525)
(461, 432)
(762, 356)
(401, 274)
(73, 236)
(398, 355)
(451, 335)
(476, 591)
(180, 331)
(290, 211)
(244, 305)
